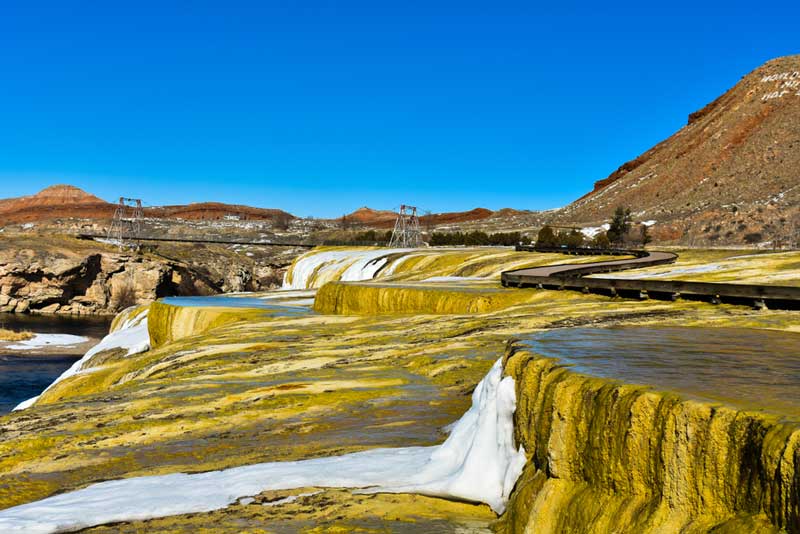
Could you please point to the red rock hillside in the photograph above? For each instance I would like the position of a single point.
(56, 201)
(66, 201)
(386, 219)
(730, 176)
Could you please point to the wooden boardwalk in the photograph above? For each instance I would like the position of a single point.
(571, 277)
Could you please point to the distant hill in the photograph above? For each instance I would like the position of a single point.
(54, 202)
(385, 219)
(66, 201)
(730, 176)
(370, 217)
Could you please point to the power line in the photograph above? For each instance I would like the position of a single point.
(126, 226)
(406, 232)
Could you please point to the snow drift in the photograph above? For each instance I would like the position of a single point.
(478, 462)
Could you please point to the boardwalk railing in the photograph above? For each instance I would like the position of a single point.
(571, 277)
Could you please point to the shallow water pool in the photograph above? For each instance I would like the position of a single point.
(269, 305)
(747, 368)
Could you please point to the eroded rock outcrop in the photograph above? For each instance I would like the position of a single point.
(57, 274)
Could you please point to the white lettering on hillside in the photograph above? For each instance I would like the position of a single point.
(788, 83)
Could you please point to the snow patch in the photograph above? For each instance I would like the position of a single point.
(26, 404)
(592, 231)
(315, 268)
(478, 462)
(39, 341)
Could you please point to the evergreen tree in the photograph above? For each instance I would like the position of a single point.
(601, 241)
(620, 225)
(546, 238)
(646, 238)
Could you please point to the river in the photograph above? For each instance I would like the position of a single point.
(24, 374)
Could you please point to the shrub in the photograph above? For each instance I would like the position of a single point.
(124, 297)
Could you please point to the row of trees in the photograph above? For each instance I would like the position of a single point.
(476, 238)
(620, 233)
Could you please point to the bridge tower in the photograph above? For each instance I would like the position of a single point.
(406, 232)
(127, 222)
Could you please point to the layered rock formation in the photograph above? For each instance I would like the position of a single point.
(58, 274)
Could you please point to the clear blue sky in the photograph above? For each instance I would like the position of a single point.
(322, 107)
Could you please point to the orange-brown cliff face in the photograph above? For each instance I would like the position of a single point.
(731, 175)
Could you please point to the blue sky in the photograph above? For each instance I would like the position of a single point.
(322, 107)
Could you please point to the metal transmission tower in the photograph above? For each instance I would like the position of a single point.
(127, 222)
(406, 232)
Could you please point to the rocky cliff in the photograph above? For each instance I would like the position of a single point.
(59, 274)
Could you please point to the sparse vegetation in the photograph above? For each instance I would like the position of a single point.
(12, 335)
(601, 241)
(645, 237)
(282, 221)
(124, 296)
(753, 238)
(546, 238)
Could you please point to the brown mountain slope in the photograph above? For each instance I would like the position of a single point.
(731, 175)
(385, 219)
(53, 202)
(215, 210)
(370, 217)
(66, 201)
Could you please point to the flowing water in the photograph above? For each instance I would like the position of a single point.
(751, 369)
(23, 375)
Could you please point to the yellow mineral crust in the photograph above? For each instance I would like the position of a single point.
(371, 298)
(229, 387)
(610, 457)
(168, 323)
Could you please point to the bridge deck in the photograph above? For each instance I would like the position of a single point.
(205, 241)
